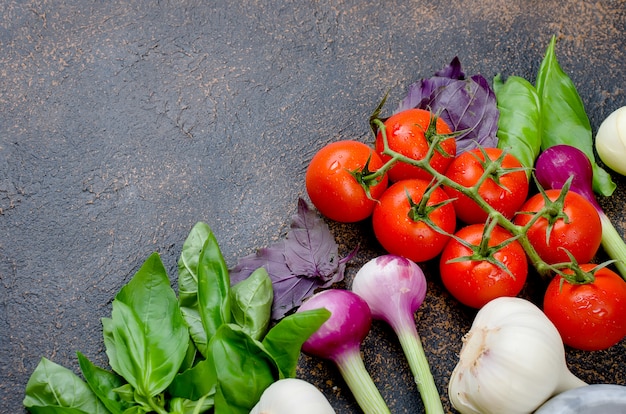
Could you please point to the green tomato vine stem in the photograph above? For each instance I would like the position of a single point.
(520, 232)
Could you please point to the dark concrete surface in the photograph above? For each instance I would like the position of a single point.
(122, 123)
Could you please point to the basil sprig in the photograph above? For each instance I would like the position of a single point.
(564, 120)
(208, 350)
(551, 113)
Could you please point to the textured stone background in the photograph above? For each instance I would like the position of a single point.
(122, 123)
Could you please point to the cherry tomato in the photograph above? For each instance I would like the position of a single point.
(580, 234)
(476, 281)
(588, 316)
(410, 133)
(504, 191)
(400, 226)
(332, 186)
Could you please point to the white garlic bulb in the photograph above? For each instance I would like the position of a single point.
(292, 396)
(512, 361)
(611, 141)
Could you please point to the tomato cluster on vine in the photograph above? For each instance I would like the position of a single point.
(477, 214)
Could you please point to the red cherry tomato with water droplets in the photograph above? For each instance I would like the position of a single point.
(403, 235)
(476, 282)
(506, 195)
(581, 235)
(408, 133)
(588, 316)
(332, 187)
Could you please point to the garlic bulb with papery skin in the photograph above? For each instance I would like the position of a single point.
(512, 361)
(292, 396)
(611, 141)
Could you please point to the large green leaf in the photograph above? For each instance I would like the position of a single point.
(102, 383)
(564, 120)
(284, 341)
(519, 124)
(251, 303)
(244, 370)
(188, 283)
(149, 335)
(53, 388)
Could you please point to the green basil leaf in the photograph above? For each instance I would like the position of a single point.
(213, 289)
(190, 357)
(149, 334)
(188, 283)
(126, 393)
(251, 303)
(519, 124)
(184, 406)
(195, 383)
(109, 341)
(244, 369)
(284, 341)
(564, 120)
(103, 383)
(137, 409)
(54, 388)
(55, 410)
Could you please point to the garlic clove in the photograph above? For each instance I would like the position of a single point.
(611, 141)
(292, 396)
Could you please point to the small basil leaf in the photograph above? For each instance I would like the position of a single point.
(109, 341)
(519, 125)
(195, 383)
(284, 341)
(244, 369)
(251, 303)
(103, 383)
(126, 393)
(188, 283)
(149, 334)
(56, 389)
(184, 406)
(137, 409)
(564, 120)
(213, 288)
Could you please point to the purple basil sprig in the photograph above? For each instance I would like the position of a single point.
(307, 259)
(467, 105)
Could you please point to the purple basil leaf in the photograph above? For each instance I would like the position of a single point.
(306, 260)
(310, 249)
(420, 91)
(467, 105)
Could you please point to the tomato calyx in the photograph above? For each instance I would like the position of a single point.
(367, 178)
(421, 211)
(553, 211)
(493, 169)
(484, 252)
(435, 139)
(572, 273)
